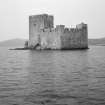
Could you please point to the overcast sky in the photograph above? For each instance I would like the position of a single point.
(14, 15)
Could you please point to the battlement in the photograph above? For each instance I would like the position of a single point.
(63, 29)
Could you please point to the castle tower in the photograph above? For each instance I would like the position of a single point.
(84, 34)
(36, 24)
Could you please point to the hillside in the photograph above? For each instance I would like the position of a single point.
(20, 42)
(13, 43)
(100, 41)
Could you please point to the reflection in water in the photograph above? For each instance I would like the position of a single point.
(52, 77)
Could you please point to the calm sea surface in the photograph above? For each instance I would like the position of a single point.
(52, 77)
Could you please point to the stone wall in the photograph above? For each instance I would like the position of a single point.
(50, 39)
(74, 38)
(64, 38)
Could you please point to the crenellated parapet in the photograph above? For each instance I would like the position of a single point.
(63, 29)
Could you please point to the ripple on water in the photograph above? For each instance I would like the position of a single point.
(52, 78)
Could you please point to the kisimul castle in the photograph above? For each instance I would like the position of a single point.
(43, 35)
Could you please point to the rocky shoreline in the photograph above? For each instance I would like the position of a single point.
(49, 49)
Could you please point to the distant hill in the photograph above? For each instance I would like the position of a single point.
(100, 41)
(20, 42)
(13, 43)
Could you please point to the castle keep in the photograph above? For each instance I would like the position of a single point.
(43, 35)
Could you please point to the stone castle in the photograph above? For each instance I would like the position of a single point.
(43, 35)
